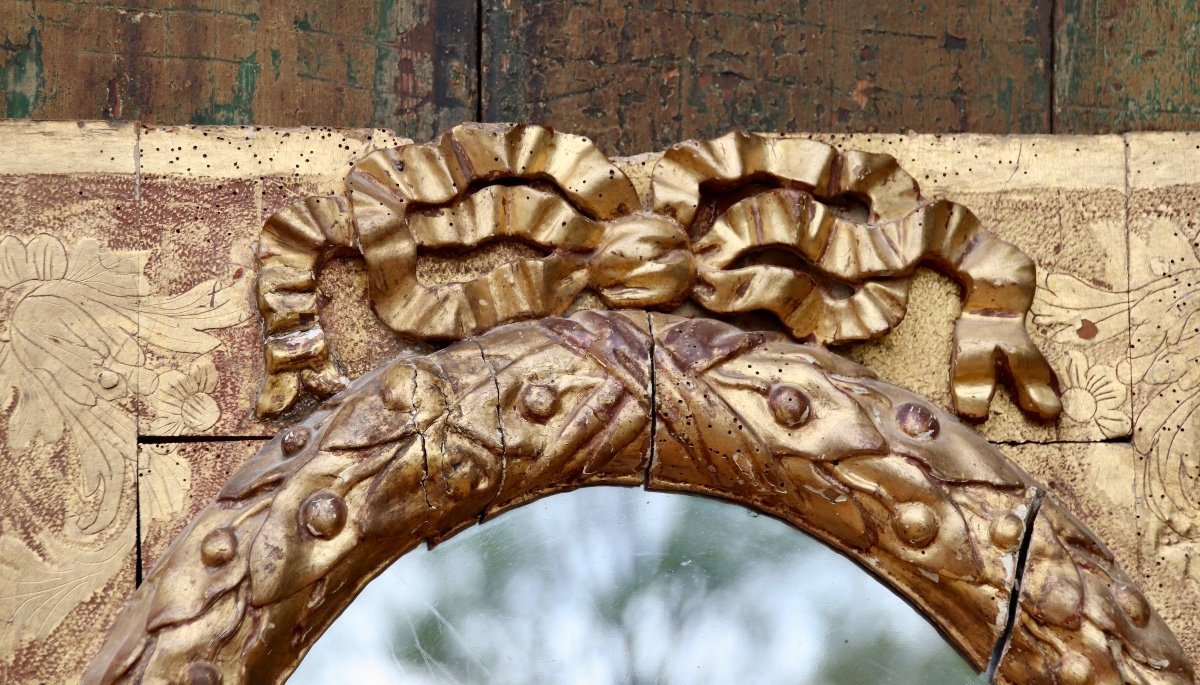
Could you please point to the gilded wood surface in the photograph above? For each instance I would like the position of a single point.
(422, 447)
(824, 240)
(200, 196)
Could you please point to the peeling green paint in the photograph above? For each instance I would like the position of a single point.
(1134, 72)
(240, 108)
(382, 87)
(21, 76)
(276, 59)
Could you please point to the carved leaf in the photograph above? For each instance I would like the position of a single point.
(178, 322)
(73, 329)
(34, 415)
(36, 593)
(936, 511)
(164, 482)
(64, 347)
(43, 258)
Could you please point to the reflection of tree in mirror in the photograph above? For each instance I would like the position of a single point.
(623, 586)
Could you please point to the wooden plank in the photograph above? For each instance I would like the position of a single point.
(1121, 66)
(1164, 248)
(666, 72)
(51, 147)
(69, 375)
(641, 76)
(396, 63)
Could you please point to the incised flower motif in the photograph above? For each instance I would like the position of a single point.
(1092, 394)
(73, 331)
(75, 325)
(183, 403)
(1161, 312)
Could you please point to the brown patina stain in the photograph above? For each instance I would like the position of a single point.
(1087, 330)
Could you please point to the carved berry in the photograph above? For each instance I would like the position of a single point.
(1006, 531)
(916, 523)
(917, 421)
(1074, 669)
(789, 405)
(323, 514)
(295, 440)
(202, 673)
(218, 548)
(538, 402)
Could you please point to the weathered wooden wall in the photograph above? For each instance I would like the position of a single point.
(396, 63)
(639, 75)
(1126, 65)
(635, 74)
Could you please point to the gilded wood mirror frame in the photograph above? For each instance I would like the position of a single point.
(707, 399)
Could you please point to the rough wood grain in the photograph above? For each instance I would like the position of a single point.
(1122, 66)
(396, 63)
(640, 76)
(636, 76)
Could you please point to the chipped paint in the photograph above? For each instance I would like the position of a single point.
(21, 75)
(240, 107)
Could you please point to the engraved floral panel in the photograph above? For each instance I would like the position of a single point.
(78, 335)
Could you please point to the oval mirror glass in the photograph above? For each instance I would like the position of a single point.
(622, 586)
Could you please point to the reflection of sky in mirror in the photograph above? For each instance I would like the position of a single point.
(613, 586)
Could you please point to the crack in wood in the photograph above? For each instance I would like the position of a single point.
(1014, 597)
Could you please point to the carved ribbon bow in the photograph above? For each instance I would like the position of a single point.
(826, 241)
